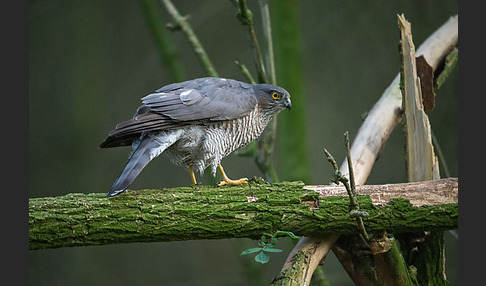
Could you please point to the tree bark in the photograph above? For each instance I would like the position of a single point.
(380, 122)
(204, 212)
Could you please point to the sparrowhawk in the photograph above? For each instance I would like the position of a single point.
(196, 123)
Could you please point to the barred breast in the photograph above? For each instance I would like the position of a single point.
(224, 137)
(204, 146)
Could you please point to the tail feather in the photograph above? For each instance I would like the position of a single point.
(149, 148)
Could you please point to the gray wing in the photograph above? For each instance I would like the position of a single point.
(211, 99)
(196, 101)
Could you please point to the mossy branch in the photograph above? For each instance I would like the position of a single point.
(246, 18)
(206, 212)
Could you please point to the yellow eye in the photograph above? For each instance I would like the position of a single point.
(275, 95)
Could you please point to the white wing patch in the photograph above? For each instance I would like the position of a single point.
(184, 93)
(190, 97)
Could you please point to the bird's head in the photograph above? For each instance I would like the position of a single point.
(272, 97)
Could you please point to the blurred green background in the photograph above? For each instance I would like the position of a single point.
(90, 62)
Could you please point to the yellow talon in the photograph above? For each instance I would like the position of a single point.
(228, 182)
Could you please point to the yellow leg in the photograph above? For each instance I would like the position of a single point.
(193, 177)
(228, 181)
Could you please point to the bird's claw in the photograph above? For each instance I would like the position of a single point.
(229, 182)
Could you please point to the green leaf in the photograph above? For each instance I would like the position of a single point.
(262, 241)
(271, 244)
(262, 257)
(271, 249)
(251, 250)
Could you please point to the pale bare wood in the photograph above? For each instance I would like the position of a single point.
(437, 192)
(377, 127)
(387, 111)
(422, 164)
(311, 252)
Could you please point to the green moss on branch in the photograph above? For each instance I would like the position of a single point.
(204, 212)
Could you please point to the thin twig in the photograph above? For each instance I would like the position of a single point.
(266, 142)
(354, 203)
(338, 177)
(245, 72)
(166, 50)
(354, 206)
(442, 159)
(182, 23)
(246, 18)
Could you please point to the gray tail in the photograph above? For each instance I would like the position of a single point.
(141, 156)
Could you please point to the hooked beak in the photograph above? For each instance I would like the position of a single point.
(288, 103)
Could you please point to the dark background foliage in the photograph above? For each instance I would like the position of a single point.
(90, 62)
